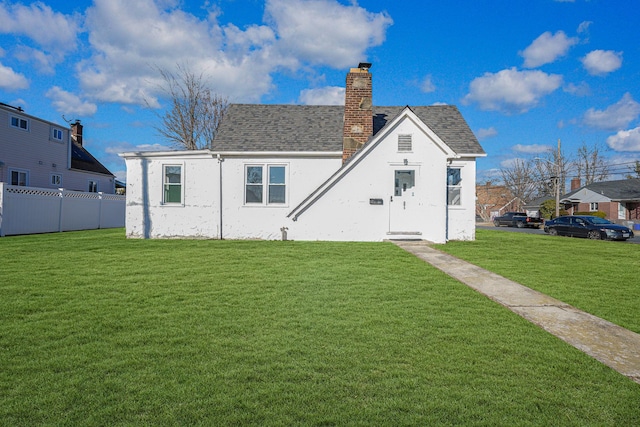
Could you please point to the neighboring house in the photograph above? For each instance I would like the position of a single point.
(350, 173)
(39, 153)
(494, 200)
(532, 208)
(619, 200)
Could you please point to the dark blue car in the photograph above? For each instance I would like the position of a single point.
(591, 227)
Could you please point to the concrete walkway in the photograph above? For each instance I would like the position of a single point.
(611, 344)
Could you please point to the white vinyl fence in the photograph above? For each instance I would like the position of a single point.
(30, 210)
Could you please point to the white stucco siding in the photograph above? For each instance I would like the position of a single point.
(243, 220)
(149, 217)
(345, 211)
(461, 218)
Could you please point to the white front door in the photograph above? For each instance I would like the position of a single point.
(403, 213)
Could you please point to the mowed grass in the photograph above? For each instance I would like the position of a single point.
(599, 277)
(99, 330)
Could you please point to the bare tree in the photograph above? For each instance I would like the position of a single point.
(635, 171)
(548, 166)
(518, 179)
(195, 112)
(591, 165)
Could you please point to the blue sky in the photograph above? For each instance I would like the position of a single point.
(523, 73)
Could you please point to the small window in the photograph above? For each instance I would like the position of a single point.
(454, 188)
(172, 184)
(404, 143)
(56, 179)
(93, 186)
(20, 123)
(56, 134)
(593, 206)
(19, 177)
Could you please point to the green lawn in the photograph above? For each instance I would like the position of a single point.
(599, 277)
(99, 330)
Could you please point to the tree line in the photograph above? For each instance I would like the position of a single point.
(535, 177)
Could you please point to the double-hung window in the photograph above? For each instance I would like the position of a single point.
(265, 184)
(19, 122)
(454, 187)
(93, 186)
(593, 206)
(172, 181)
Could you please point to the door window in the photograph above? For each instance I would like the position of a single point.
(404, 180)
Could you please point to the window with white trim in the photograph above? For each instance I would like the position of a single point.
(172, 184)
(454, 187)
(405, 143)
(56, 134)
(19, 123)
(593, 206)
(19, 177)
(56, 179)
(265, 184)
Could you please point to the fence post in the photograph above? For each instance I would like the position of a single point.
(60, 215)
(100, 210)
(2, 200)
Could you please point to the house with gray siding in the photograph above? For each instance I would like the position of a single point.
(38, 153)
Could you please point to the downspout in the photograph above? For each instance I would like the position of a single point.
(220, 160)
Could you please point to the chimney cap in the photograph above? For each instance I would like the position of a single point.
(364, 65)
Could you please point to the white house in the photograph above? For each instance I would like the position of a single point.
(352, 173)
(38, 153)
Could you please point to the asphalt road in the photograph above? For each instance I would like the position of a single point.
(489, 226)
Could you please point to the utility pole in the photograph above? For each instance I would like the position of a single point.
(557, 165)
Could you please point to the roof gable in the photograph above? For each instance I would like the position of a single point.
(406, 114)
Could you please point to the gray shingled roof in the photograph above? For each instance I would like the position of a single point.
(623, 189)
(259, 127)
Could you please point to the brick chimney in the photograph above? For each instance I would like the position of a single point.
(76, 132)
(575, 183)
(358, 110)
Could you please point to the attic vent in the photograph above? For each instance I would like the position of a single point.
(404, 143)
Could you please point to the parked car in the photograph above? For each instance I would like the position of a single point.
(517, 219)
(591, 227)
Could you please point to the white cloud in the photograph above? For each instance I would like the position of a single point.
(129, 39)
(581, 89)
(511, 90)
(54, 33)
(625, 140)
(547, 48)
(602, 62)
(68, 103)
(514, 162)
(10, 80)
(325, 32)
(427, 85)
(532, 148)
(485, 133)
(584, 27)
(330, 95)
(614, 117)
